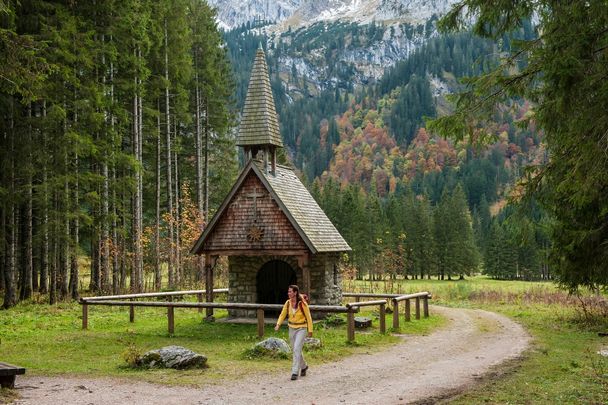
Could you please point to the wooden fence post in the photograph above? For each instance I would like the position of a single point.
(407, 310)
(200, 299)
(417, 307)
(426, 306)
(170, 320)
(85, 316)
(382, 318)
(350, 315)
(260, 313)
(131, 313)
(395, 314)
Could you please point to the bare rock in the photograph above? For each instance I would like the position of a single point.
(273, 344)
(173, 357)
(312, 343)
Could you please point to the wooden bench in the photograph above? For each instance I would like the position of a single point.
(8, 373)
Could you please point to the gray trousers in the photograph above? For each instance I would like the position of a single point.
(296, 338)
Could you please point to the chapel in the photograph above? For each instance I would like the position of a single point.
(270, 227)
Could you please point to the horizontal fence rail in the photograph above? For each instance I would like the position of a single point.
(153, 295)
(259, 308)
(425, 296)
(349, 309)
(380, 303)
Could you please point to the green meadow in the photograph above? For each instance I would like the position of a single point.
(562, 365)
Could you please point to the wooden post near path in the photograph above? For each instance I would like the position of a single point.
(417, 307)
(260, 314)
(382, 318)
(395, 314)
(85, 316)
(171, 320)
(426, 307)
(350, 315)
(408, 311)
(131, 313)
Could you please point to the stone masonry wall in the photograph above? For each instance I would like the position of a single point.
(325, 280)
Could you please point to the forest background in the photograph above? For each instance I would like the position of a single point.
(118, 145)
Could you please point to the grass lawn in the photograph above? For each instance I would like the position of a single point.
(49, 340)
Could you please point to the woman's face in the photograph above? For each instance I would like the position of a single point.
(291, 293)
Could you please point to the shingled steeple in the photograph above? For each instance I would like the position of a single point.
(259, 129)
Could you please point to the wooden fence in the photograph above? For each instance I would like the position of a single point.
(349, 309)
(396, 299)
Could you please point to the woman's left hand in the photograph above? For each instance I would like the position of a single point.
(309, 334)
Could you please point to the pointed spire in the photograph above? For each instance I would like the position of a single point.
(259, 123)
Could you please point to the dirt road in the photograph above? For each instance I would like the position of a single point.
(420, 368)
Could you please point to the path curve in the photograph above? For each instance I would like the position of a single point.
(420, 368)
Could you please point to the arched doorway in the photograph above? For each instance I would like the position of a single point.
(272, 281)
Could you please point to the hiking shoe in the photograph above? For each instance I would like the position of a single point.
(303, 371)
(294, 377)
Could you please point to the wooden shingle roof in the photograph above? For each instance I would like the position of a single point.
(294, 200)
(305, 214)
(259, 123)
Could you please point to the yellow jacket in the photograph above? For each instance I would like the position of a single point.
(299, 319)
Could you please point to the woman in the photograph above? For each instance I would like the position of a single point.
(299, 322)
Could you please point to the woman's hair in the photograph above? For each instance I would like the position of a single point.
(296, 289)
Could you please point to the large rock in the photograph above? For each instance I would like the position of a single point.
(273, 344)
(173, 357)
(312, 343)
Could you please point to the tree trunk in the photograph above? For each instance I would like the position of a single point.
(157, 271)
(75, 232)
(200, 271)
(168, 154)
(44, 260)
(105, 231)
(115, 253)
(65, 262)
(10, 298)
(178, 260)
(140, 189)
(137, 271)
(54, 256)
(206, 174)
(27, 284)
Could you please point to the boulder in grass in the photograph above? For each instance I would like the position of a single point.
(173, 357)
(274, 345)
(312, 343)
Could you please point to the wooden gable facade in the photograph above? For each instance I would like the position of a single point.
(252, 223)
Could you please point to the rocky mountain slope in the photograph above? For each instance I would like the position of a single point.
(324, 44)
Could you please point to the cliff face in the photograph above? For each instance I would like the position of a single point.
(298, 13)
(323, 44)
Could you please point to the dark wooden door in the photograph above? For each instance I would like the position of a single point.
(272, 281)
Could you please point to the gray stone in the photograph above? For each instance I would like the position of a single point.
(312, 343)
(603, 352)
(275, 345)
(173, 357)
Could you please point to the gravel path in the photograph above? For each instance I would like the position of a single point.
(420, 368)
